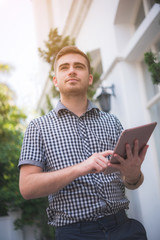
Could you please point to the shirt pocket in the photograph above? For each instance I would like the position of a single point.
(101, 142)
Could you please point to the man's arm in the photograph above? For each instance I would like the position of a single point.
(130, 167)
(35, 183)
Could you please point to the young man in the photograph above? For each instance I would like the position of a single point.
(64, 156)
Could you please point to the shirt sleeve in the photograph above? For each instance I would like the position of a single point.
(32, 151)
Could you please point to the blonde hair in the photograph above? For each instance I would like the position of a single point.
(74, 50)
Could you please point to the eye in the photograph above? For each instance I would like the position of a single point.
(79, 66)
(63, 68)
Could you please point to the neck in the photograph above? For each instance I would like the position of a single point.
(77, 105)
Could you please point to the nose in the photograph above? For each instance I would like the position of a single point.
(72, 71)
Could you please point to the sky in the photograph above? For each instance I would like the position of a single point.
(18, 49)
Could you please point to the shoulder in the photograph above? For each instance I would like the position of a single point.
(43, 121)
(111, 121)
(109, 116)
(45, 118)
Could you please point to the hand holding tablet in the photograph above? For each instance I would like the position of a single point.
(128, 136)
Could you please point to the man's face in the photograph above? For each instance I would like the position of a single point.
(71, 75)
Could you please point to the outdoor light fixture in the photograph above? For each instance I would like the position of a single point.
(105, 98)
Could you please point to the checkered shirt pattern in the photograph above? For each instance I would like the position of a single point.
(61, 139)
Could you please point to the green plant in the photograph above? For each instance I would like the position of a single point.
(11, 135)
(153, 66)
(12, 121)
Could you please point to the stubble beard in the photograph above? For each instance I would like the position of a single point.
(74, 91)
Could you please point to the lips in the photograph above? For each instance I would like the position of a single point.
(72, 80)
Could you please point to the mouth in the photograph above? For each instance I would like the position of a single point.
(72, 80)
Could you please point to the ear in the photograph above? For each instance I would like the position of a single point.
(90, 79)
(55, 81)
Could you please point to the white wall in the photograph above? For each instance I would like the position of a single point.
(60, 10)
(7, 231)
(98, 32)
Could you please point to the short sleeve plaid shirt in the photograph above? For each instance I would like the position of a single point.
(61, 139)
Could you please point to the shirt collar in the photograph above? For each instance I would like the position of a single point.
(61, 107)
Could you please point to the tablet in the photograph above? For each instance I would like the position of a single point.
(142, 133)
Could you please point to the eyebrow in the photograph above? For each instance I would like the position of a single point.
(75, 63)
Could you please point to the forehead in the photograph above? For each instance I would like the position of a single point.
(71, 58)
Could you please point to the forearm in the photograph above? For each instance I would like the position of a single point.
(34, 183)
(41, 184)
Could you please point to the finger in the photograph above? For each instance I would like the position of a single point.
(129, 151)
(143, 152)
(117, 166)
(136, 148)
(107, 153)
(119, 158)
(99, 167)
(101, 159)
(102, 165)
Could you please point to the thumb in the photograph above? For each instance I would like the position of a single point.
(107, 153)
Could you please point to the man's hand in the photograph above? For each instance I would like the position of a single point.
(95, 164)
(131, 166)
